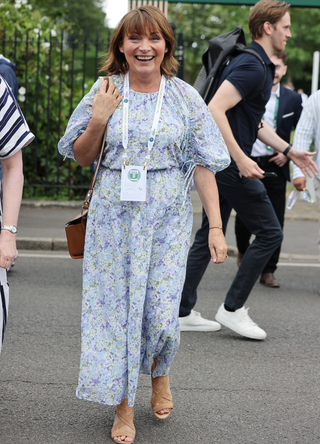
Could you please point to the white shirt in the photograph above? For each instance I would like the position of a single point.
(259, 148)
(308, 128)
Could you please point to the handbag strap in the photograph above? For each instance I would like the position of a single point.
(87, 199)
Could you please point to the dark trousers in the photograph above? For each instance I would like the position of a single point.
(276, 190)
(249, 199)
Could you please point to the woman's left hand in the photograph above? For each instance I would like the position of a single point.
(218, 246)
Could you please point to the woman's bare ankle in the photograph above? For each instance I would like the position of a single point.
(124, 406)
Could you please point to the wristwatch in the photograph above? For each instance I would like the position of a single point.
(11, 228)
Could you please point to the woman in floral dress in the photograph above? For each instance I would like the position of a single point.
(161, 135)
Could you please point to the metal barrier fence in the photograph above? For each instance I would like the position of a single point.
(53, 75)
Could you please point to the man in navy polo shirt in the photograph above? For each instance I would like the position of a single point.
(269, 24)
(282, 114)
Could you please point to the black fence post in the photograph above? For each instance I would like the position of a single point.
(48, 113)
(178, 50)
(59, 108)
(37, 118)
(180, 55)
(4, 42)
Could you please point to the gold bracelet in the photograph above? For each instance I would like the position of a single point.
(211, 228)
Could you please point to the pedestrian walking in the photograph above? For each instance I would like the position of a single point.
(14, 135)
(282, 115)
(238, 185)
(307, 131)
(7, 71)
(160, 134)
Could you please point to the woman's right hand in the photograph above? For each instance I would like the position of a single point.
(87, 146)
(105, 102)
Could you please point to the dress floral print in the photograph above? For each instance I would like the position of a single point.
(135, 252)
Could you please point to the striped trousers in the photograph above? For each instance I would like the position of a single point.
(4, 303)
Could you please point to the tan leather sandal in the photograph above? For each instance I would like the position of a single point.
(161, 398)
(124, 427)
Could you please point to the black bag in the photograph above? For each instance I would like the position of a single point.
(221, 50)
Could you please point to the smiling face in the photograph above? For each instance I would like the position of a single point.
(281, 33)
(144, 52)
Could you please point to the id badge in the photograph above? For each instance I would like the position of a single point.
(133, 183)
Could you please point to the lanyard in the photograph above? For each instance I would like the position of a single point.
(155, 123)
(292, 199)
(275, 117)
(276, 114)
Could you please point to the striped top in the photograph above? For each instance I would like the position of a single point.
(308, 128)
(14, 130)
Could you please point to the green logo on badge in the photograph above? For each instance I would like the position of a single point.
(134, 175)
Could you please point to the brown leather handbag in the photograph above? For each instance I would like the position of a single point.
(76, 231)
(76, 227)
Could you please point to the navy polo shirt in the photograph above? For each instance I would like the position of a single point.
(246, 72)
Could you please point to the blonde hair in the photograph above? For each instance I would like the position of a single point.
(137, 21)
(266, 11)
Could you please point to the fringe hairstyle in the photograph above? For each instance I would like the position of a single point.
(137, 21)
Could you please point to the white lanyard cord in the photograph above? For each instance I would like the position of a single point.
(292, 199)
(155, 124)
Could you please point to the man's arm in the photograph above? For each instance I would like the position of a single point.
(224, 99)
(301, 158)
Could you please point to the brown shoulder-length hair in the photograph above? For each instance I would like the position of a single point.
(266, 11)
(137, 21)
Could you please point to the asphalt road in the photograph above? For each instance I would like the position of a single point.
(226, 389)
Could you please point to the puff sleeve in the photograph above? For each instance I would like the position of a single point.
(204, 144)
(78, 122)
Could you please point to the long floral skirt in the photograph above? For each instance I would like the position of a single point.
(133, 274)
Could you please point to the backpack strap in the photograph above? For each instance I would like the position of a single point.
(259, 88)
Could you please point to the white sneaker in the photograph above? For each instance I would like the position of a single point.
(195, 322)
(240, 322)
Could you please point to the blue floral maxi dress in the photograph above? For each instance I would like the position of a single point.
(135, 252)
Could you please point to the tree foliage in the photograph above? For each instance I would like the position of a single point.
(83, 15)
(51, 85)
(305, 29)
(201, 22)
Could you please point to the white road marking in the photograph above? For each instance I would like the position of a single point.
(66, 256)
(299, 264)
(45, 256)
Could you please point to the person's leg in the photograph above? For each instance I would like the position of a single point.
(316, 182)
(198, 260)
(249, 199)
(4, 303)
(255, 209)
(242, 235)
(276, 190)
(123, 429)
